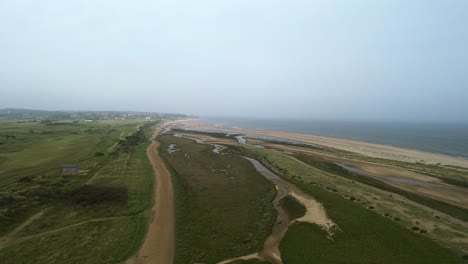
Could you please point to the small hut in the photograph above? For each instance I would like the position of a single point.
(69, 169)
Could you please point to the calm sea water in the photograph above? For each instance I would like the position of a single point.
(445, 138)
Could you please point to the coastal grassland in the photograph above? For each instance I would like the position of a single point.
(97, 216)
(108, 240)
(364, 235)
(223, 205)
(454, 175)
(330, 167)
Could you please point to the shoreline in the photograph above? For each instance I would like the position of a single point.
(433, 137)
(360, 147)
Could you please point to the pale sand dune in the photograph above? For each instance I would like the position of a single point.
(315, 213)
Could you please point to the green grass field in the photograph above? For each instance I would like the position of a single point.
(223, 206)
(98, 216)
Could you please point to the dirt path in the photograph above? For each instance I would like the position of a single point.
(5, 240)
(158, 247)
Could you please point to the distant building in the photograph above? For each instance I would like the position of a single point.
(148, 117)
(70, 169)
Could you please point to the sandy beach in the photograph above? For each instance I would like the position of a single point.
(364, 148)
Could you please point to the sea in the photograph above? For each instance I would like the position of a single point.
(437, 137)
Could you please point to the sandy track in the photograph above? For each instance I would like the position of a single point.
(158, 247)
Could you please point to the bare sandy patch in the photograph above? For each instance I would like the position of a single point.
(315, 212)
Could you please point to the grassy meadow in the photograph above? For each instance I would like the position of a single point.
(97, 216)
(223, 206)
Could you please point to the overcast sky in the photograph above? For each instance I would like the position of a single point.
(349, 59)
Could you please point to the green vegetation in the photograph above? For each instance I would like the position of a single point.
(333, 168)
(108, 240)
(223, 206)
(293, 207)
(97, 216)
(363, 236)
(304, 242)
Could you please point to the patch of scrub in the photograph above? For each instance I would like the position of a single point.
(293, 207)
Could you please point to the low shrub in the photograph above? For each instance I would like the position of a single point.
(88, 195)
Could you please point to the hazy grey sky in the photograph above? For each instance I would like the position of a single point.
(394, 59)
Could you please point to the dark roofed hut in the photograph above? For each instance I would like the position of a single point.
(70, 169)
